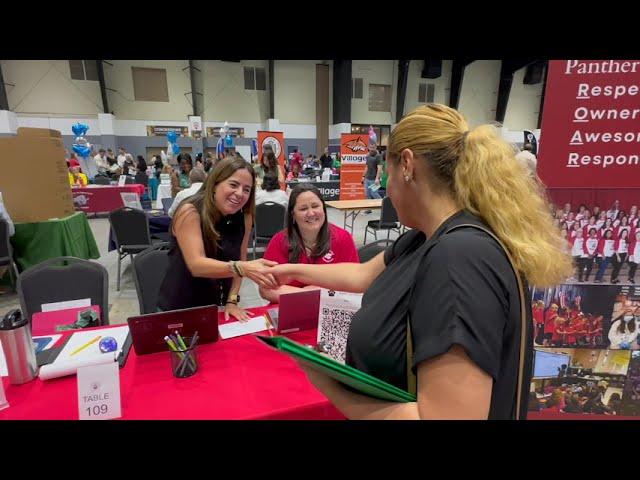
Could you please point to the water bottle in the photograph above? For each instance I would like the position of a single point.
(19, 352)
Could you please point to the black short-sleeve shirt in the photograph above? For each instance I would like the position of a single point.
(457, 288)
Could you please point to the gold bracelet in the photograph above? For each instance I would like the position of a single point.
(239, 268)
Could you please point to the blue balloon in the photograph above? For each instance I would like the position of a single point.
(108, 344)
(228, 141)
(254, 147)
(81, 150)
(79, 129)
(220, 146)
(176, 148)
(172, 137)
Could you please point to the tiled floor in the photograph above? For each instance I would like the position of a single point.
(124, 303)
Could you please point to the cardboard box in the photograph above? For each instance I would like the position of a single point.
(34, 181)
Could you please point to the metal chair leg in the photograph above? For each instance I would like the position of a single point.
(366, 229)
(119, 261)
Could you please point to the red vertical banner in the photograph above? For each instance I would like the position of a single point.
(276, 141)
(590, 136)
(354, 149)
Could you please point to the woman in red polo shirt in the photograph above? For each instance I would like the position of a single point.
(308, 238)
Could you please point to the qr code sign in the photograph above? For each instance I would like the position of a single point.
(334, 330)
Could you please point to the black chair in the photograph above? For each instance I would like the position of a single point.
(388, 221)
(166, 205)
(63, 279)
(142, 179)
(367, 252)
(6, 252)
(149, 269)
(131, 230)
(269, 220)
(101, 180)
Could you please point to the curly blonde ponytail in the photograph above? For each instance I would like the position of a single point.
(481, 172)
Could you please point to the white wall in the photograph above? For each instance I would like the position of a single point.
(224, 95)
(122, 103)
(524, 104)
(45, 87)
(374, 71)
(295, 91)
(442, 84)
(479, 92)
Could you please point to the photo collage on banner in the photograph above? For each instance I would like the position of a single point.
(586, 351)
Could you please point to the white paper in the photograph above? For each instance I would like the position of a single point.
(53, 307)
(81, 338)
(121, 180)
(3, 363)
(99, 392)
(336, 311)
(70, 367)
(3, 399)
(236, 329)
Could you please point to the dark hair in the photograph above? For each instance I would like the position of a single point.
(142, 164)
(270, 182)
(205, 204)
(271, 163)
(296, 247)
(621, 329)
(593, 230)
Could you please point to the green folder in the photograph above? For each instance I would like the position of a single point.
(357, 379)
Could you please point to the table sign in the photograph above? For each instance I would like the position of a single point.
(99, 392)
(122, 180)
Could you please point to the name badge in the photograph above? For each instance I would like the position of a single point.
(99, 392)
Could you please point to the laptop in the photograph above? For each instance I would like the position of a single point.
(148, 331)
(296, 311)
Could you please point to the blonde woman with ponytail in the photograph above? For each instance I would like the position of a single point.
(446, 284)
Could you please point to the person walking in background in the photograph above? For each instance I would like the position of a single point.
(371, 177)
(325, 160)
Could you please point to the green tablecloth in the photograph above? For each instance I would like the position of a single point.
(70, 236)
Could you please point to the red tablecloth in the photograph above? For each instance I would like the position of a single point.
(102, 198)
(238, 378)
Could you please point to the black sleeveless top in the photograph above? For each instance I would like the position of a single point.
(180, 289)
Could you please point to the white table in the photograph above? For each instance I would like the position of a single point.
(352, 208)
(164, 191)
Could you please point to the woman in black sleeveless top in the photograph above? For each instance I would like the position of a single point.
(209, 239)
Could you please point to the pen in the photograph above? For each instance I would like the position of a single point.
(88, 344)
(192, 361)
(172, 345)
(181, 343)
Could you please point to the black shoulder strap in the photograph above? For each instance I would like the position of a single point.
(411, 378)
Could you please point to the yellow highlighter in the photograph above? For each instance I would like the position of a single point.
(88, 344)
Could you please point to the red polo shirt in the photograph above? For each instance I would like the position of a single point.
(343, 249)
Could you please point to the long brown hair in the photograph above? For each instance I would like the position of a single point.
(296, 246)
(205, 203)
